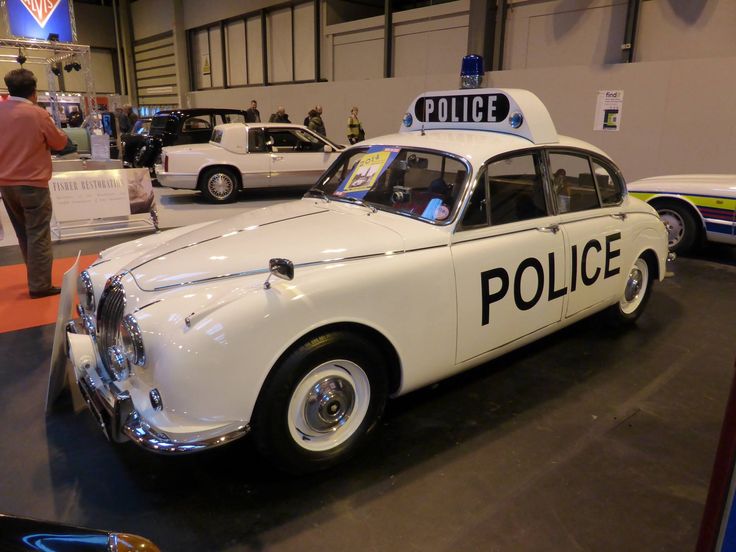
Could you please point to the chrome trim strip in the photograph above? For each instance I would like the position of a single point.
(265, 270)
(218, 237)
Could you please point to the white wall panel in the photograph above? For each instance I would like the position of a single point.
(304, 41)
(686, 29)
(358, 60)
(151, 17)
(254, 50)
(236, 56)
(437, 51)
(201, 57)
(216, 56)
(278, 25)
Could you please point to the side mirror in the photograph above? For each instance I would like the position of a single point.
(281, 268)
(328, 149)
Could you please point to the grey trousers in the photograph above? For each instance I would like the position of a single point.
(29, 209)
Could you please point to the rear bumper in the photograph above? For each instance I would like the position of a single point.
(115, 413)
(176, 180)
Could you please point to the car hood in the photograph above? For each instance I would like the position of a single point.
(304, 232)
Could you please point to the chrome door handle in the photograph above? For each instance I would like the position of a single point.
(619, 216)
(554, 228)
(277, 157)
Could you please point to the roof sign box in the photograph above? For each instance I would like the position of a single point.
(510, 111)
(40, 18)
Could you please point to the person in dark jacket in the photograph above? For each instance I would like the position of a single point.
(252, 115)
(315, 121)
(280, 116)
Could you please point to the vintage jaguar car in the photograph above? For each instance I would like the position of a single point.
(694, 207)
(252, 155)
(473, 231)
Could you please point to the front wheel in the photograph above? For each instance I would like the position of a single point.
(321, 402)
(636, 293)
(220, 185)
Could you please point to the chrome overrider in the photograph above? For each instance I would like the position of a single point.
(113, 407)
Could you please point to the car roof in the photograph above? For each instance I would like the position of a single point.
(197, 111)
(474, 145)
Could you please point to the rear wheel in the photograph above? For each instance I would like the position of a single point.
(321, 402)
(682, 227)
(220, 185)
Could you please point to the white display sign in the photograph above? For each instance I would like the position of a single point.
(100, 144)
(87, 195)
(608, 110)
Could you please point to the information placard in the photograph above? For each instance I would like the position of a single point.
(86, 195)
(609, 108)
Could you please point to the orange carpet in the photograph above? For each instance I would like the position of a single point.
(17, 310)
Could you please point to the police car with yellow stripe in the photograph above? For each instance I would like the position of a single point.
(472, 231)
(694, 207)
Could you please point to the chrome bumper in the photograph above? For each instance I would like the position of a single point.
(115, 413)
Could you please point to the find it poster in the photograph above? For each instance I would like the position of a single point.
(608, 110)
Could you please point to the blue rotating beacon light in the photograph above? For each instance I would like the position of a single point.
(471, 72)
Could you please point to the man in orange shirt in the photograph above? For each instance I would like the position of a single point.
(25, 169)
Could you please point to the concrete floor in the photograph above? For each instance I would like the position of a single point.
(590, 439)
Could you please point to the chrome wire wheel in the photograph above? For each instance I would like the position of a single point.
(328, 405)
(675, 226)
(637, 286)
(220, 186)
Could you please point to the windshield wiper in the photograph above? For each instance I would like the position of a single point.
(318, 193)
(357, 201)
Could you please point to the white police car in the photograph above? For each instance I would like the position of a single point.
(472, 231)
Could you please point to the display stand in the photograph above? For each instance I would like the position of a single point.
(95, 202)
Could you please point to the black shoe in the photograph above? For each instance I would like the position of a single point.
(45, 293)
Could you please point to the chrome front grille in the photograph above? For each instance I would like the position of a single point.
(109, 316)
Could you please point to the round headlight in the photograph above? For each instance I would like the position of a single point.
(86, 292)
(132, 341)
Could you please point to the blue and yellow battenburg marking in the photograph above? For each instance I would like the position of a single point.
(712, 208)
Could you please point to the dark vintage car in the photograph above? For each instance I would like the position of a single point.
(182, 126)
(23, 534)
(132, 141)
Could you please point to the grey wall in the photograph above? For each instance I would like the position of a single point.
(679, 114)
(153, 17)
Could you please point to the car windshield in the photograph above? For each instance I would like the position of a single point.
(418, 183)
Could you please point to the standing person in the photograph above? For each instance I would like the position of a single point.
(315, 121)
(355, 129)
(280, 116)
(25, 170)
(253, 115)
(130, 114)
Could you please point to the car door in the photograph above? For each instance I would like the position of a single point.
(508, 256)
(255, 166)
(298, 157)
(587, 194)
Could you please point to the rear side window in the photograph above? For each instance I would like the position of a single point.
(256, 140)
(609, 185)
(573, 185)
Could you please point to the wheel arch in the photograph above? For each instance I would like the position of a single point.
(663, 199)
(205, 168)
(387, 349)
(650, 256)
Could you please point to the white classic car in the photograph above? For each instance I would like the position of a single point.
(473, 231)
(694, 207)
(241, 156)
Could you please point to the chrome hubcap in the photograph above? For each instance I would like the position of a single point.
(674, 224)
(220, 185)
(636, 287)
(633, 286)
(328, 405)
